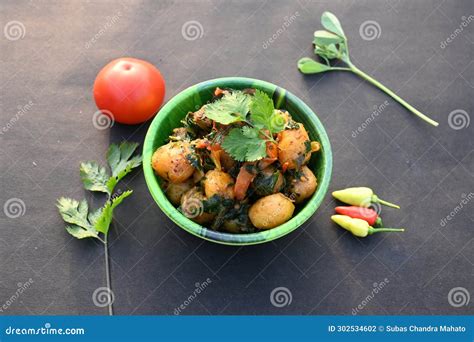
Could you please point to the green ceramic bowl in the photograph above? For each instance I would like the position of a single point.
(193, 98)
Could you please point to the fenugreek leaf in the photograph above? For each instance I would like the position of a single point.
(332, 24)
(322, 37)
(332, 44)
(310, 66)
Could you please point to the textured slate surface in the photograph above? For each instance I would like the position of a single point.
(52, 59)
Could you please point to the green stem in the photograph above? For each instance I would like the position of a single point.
(397, 98)
(340, 68)
(383, 230)
(107, 275)
(375, 199)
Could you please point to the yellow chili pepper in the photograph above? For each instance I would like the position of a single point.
(360, 227)
(361, 197)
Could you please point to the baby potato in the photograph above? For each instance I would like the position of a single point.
(174, 191)
(294, 147)
(192, 206)
(218, 183)
(271, 211)
(304, 187)
(170, 162)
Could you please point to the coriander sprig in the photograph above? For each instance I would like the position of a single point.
(121, 162)
(258, 117)
(331, 44)
(230, 108)
(81, 221)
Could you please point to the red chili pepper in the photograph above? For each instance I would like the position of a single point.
(366, 214)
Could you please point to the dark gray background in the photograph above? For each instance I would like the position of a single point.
(155, 264)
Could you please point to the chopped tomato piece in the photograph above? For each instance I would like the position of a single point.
(242, 183)
(272, 149)
(218, 91)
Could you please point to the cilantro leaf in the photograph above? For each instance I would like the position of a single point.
(103, 220)
(121, 162)
(113, 180)
(79, 232)
(229, 108)
(76, 214)
(94, 216)
(83, 224)
(261, 108)
(263, 114)
(94, 177)
(245, 144)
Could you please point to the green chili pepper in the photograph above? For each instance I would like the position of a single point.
(361, 196)
(360, 227)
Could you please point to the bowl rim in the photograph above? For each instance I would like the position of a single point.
(228, 238)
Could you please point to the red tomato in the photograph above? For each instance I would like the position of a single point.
(130, 89)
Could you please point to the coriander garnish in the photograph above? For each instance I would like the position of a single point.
(248, 142)
(83, 223)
